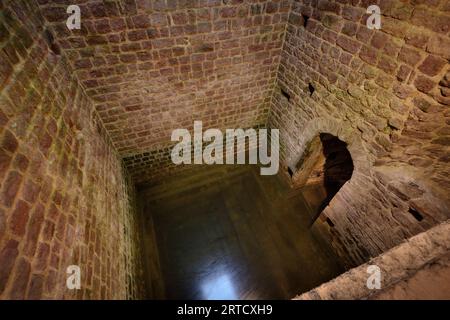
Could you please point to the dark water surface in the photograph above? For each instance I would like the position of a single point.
(228, 233)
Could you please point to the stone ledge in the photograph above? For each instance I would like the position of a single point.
(398, 265)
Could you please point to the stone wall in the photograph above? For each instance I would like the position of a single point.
(64, 194)
(383, 92)
(154, 66)
(415, 269)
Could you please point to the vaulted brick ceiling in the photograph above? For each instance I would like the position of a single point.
(152, 66)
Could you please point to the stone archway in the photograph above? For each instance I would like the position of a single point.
(326, 166)
(341, 129)
(330, 156)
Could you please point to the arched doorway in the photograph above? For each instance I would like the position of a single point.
(324, 168)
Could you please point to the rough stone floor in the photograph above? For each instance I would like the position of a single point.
(227, 232)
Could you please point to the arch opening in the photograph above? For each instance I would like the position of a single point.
(324, 168)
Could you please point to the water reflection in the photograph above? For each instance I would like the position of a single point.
(220, 288)
(236, 236)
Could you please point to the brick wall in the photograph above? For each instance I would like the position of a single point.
(385, 93)
(65, 198)
(154, 66)
(152, 166)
